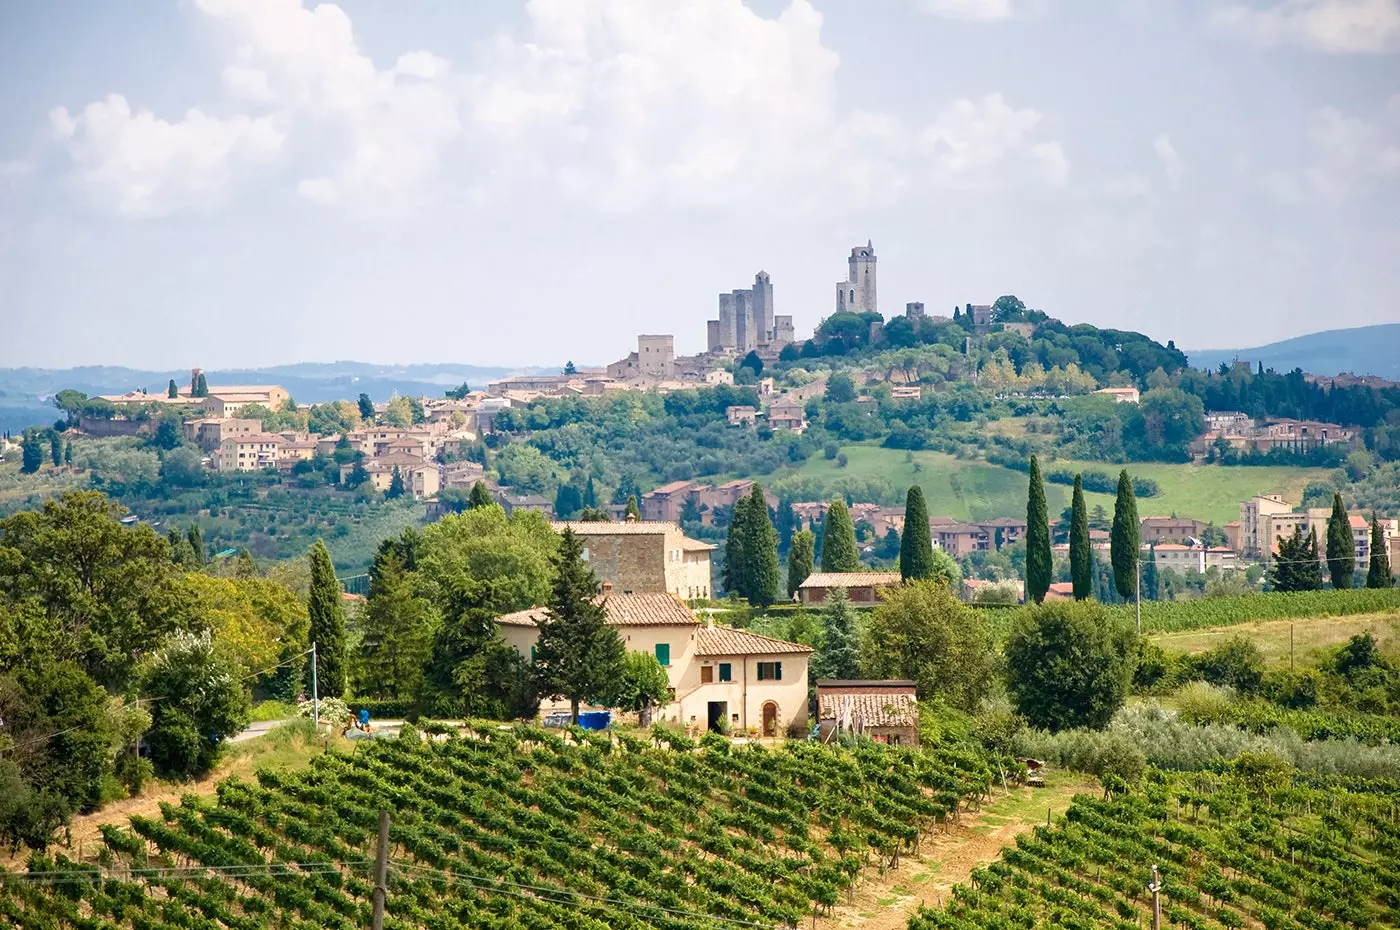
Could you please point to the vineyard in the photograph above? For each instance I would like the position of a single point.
(517, 828)
(1231, 851)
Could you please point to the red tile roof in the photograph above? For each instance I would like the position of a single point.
(623, 610)
(850, 579)
(726, 641)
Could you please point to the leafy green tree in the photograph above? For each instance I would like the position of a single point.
(56, 448)
(358, 474)
(181, 468)
(1040, 566)
(171, 390)
(1296, 566)
(196, 538)
(839, 655)
(327, 614)
(753, 363)
(201, 386)
(916, 545)
(569, 368)
(72, 404)
(397, 629)
(839, 550)
(201, 704)
(633, 513)
(396, 488)
(515, 554)
(577, 655)
(472, 672)
(890, 545)
(366, 408)
(840, 389)
(1081, 554)
(1124, 545)
(31, 453)
(946, 570)
(180, 552)
(800, 555)
(922, 632)
(480, 496)
(1341, 548)
(96, 593)
(642, 685)
(1378, 571)
(1069, 665)
(567, 501)
(398, 412)
(458, 393)
(167, 434)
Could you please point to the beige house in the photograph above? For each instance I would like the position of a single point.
(742, 415)
(719, 376)
(250, 452)
(861, 587)
(209, 433)
(1360, 535)
(420, 478)
(1263, 520)
(1122, 395)
(1169, 529)
(645, 558)
(886, 711)
(785, 414)
(229, 400)
(295, 450)
(749, 682)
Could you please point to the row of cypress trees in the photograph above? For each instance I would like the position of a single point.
(1124, 540)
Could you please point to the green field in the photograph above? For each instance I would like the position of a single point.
(977, 490)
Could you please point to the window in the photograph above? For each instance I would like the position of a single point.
(585, 554)
(663, 653)
(707, 674)
(726, 672)
(770, 671)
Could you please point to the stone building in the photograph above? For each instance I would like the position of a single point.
(857, 293)
(746, 321)
(655, 358)
(885, 711)
(862, 588)
(646, 558)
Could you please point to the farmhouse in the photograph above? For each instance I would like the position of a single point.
(645, 557)
(886, 711)
(719, 676)
(860, 586)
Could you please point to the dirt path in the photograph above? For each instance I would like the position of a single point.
(886, 902)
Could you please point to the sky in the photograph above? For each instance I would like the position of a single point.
(231, 183)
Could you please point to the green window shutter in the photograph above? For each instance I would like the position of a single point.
(663, 653)
(532, 655)
(777, 671)
(726, 672)
(763, 671)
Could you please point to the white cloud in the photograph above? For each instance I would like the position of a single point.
(1335, 26)
(986, 142)
(977, 10)
(141, 165)
(1351, 155)
(1171, 160)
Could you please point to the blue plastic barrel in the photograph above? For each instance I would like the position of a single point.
(595, 720)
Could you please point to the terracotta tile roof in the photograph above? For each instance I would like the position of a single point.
(727, 641)
(695, 545)
(623, 610)
(874, 708)
(850, 579)
(671, 488)
(634, 528)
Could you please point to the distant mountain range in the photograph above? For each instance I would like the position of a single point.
(25, 392)
(1366, 350)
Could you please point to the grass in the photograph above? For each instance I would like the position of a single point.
(1311, 638)
(977, 490)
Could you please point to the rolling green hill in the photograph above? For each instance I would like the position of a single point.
(977, 490)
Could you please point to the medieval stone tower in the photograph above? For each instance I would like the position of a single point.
(857, 293)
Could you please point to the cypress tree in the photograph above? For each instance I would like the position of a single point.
(201, 386)
(736, 549)
(800, 554)
(916, 546)
(761, 551)
(634, 513)
(839, 550)
(1081, 554)
(68, 453)
(590, 496)
(56, 448)
(327, 623)
(366, 407)
(1039, 566)
(31, 453)
(1149, 575)
(480, 496)
(1296, 566)
(395, 485)
(577, 655)
(171, 390)
(196, 538)
(1341, 548)
(1123, 539)
(1378, 572)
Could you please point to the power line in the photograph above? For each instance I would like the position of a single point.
(543, 891)
(270, 869)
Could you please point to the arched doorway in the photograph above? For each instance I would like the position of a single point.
(770, 718)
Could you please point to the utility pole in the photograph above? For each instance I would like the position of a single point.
(1137, 594)
(315, 692)
(1290, 649)
(1156, 888)
(381, 871)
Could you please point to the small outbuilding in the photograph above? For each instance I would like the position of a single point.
(886, 711)
(860, 586)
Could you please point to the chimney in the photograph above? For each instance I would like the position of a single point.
(607, 588)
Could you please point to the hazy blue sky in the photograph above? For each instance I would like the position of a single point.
(220, 182)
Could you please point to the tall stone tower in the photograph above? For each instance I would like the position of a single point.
(857, 293)
(762, 305)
